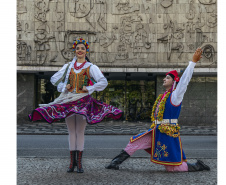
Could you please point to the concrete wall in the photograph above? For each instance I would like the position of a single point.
(199, 106)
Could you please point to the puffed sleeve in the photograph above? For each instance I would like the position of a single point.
(57, 78)
(97, 75)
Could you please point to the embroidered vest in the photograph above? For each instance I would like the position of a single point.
(78, 80)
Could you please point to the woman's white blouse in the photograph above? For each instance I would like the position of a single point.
(95, 73)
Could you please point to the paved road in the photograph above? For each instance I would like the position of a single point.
(106, 146)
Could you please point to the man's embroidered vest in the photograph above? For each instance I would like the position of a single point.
(78, 80)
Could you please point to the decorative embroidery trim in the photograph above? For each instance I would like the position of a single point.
(138, 136)
(71, 79)
(161, 108)
(169, 129)
(161, 151)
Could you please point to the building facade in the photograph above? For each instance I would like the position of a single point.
(134, 42)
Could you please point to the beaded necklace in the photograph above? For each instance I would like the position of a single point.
(79, 67)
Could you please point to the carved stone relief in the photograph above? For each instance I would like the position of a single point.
(19, 30)
(207, 2)
(200, 38)
(60, 16)
(80, 9)
(102, 20)
(211, 20)
(21, 8)
(191, 12)
(59, 22)
(23, 51)
(42, 45)
(166, 3)
(125, 7)
(106, 41)
(191, 47)
(201, 18)
(133, 29)
(133, 38)
(122, 53)
(208, 51)
(173, 32)
(179, 48)
(41, 7)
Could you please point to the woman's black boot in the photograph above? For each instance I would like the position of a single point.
(198, 166)
(79, 161)
(118, 160)
(73, 161)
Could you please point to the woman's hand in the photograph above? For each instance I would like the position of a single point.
(84, 89)
(197, 55)
(68, 86)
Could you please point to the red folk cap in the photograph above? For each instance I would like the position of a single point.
(175, 75)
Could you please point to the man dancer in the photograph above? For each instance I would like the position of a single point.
(163, 141)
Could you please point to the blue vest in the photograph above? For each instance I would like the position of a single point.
(171, 111)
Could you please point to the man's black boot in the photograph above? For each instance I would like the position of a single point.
(118, 160)
(198, 166)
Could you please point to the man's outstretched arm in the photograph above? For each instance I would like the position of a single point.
(178, 94)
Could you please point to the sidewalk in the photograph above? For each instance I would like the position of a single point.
(136, 171)
(111, 127)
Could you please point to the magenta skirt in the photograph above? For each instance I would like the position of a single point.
(94, 111)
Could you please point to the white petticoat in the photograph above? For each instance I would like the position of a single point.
(65, 97)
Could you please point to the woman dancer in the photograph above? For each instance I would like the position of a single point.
(77, 81)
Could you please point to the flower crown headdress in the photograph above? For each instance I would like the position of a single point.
(81, 40)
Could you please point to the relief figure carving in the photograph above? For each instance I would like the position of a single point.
(207, 2)
(125, 8)
(191, 14)
(42, 45)
(122, 52)
(23, 51)
(211, 20)
(20, 7)
(81, 9)
(166, 3)
(42, 7)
